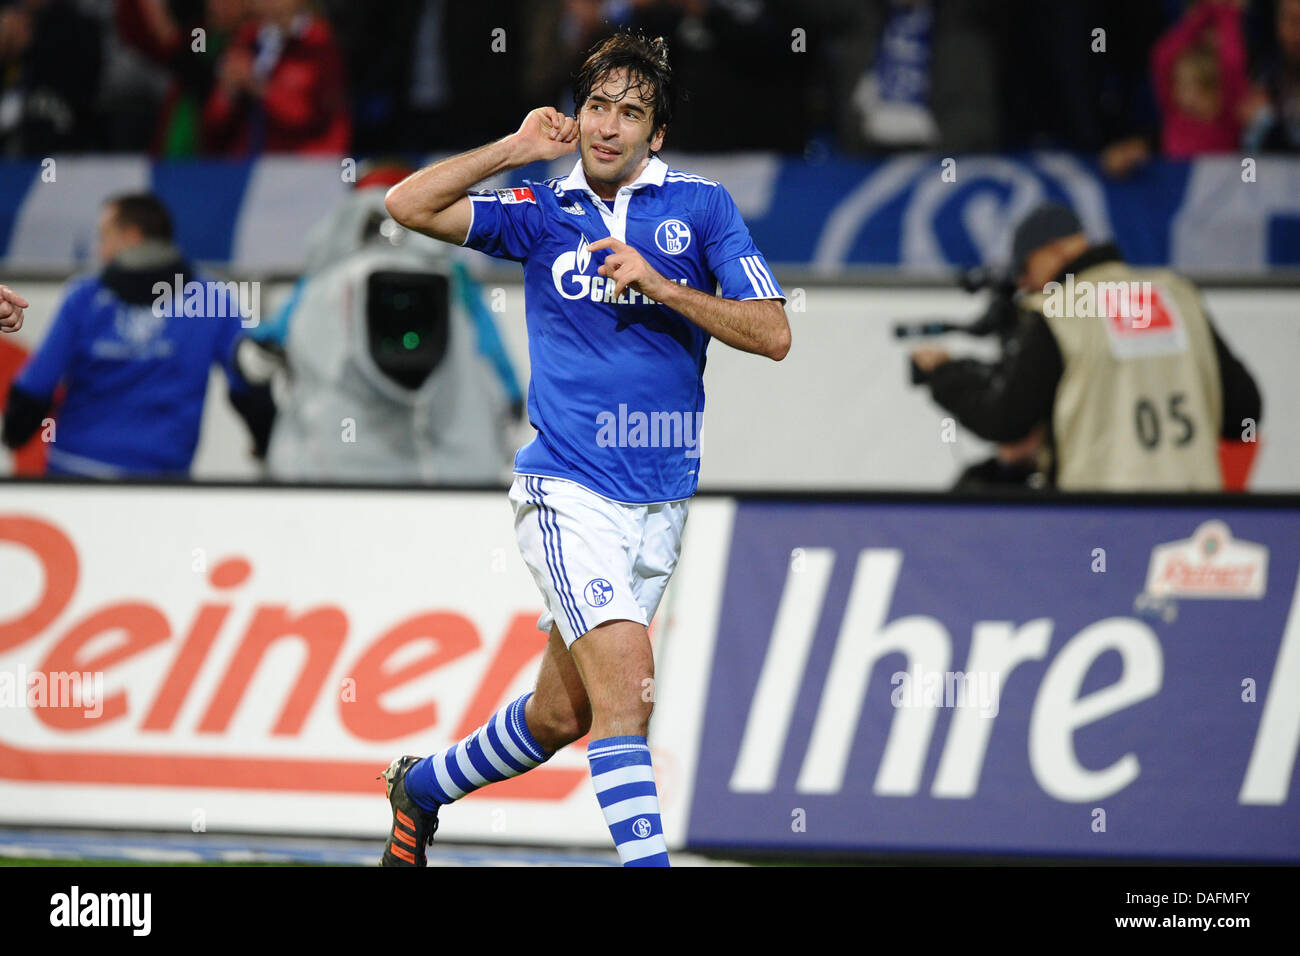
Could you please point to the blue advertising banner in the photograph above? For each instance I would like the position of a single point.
(919, 213)
(1054, 679)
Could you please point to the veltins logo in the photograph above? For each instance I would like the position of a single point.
(673, 236)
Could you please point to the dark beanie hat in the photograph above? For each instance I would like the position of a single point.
(1045, 224)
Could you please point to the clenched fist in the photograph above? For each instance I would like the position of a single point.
(11, 309)
(545, 134)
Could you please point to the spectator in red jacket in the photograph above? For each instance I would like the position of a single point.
(280, 86)
(1200, 74)
(162, 109)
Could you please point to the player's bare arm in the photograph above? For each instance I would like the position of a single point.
(433, 201)
(752, 325)
(11, 309)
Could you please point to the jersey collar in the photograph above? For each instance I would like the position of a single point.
(652, 175)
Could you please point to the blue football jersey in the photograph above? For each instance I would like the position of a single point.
(617, 387)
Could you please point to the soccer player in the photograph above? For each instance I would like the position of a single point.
(621, 259)
(11, 309)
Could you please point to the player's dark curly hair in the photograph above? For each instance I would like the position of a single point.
(648, 74)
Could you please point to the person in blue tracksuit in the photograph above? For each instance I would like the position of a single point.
(132, 347)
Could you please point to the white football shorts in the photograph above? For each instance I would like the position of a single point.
(593, 559)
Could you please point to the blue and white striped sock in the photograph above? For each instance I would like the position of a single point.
(625, 787)
(500, 749)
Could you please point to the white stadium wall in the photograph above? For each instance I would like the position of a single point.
(839, 412)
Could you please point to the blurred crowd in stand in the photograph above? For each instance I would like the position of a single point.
(1125, 79)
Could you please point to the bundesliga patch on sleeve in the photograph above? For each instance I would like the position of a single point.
(516, 194)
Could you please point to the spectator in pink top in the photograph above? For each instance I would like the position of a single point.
(1200, 75)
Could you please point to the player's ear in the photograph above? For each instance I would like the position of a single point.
(657, 140)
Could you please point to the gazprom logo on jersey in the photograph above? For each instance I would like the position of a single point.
(569, 273)
(569, 270)
(656, 429)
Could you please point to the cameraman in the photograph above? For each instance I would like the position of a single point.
(1129, 377)
(395, 371)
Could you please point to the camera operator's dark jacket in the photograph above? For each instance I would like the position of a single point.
(1113, 435)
